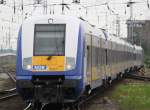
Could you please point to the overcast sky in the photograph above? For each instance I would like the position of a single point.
(97, 15)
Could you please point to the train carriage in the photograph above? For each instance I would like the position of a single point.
(95, 46)
(60, 59)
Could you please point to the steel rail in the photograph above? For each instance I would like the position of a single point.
(138, 77)
(8, 91)
(11, 76)
(8, 96)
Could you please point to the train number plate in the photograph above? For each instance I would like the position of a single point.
(40, 68)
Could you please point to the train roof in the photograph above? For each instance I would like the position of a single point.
(39, 17)
(88, 28)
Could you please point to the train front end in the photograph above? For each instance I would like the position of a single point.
(50, 59)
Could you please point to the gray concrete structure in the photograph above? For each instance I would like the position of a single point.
(140, 34)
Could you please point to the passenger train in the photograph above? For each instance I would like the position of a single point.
(62, 58)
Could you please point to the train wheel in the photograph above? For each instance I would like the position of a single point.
(109, 81)
(105, 83)
(119, 76)
(88, 90)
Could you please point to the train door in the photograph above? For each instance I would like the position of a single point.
(104, 58)
(89, 58)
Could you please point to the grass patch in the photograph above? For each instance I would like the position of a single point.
(132, 96)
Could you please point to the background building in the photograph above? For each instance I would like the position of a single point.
(139, 34)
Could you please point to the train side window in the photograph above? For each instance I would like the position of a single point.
(87, 48)
(89, 63)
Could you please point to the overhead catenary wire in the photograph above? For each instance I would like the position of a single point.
(14, 7)
(32, 4)
(20, 7)
(148, 4)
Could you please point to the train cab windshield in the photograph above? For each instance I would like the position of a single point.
(49, 39)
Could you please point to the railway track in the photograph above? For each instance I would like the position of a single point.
(74, 106)
(81, 102)
(102, 90)
(7, 94)
(138, 77)
(78, 104)
(10, 73)
(12, 76)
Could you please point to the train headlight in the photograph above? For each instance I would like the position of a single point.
(70, 63)
(27, 63)
(29, 67)
(68, 67)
